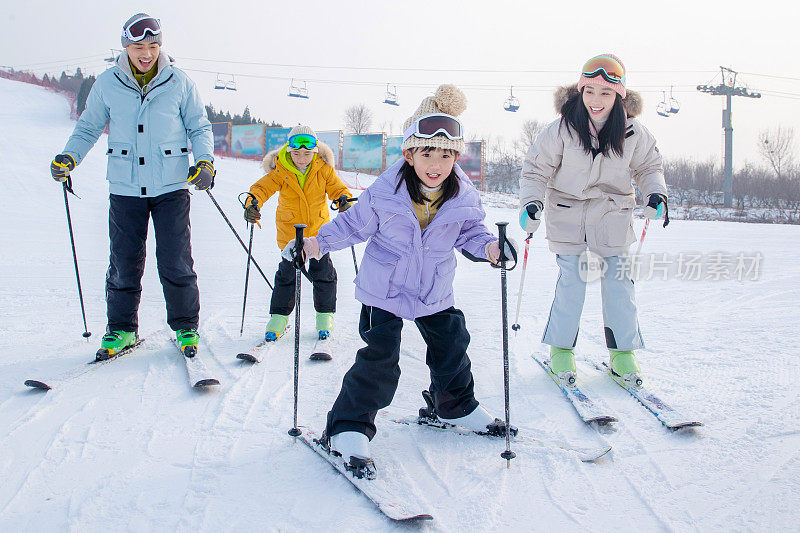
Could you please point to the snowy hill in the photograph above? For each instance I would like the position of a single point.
(132, 447)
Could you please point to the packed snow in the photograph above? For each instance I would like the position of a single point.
(130, 446)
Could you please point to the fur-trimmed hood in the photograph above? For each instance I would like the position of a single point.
(632, 102)
(325, 153)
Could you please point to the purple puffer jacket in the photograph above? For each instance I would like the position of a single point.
(407, 271)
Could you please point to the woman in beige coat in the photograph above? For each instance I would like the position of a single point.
(578, 171)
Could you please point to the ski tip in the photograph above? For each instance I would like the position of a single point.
(247, 357)
(587, 457)
(206, 383)
(602, 420)
(320, 356)
(415, 518)
(37, 384)
(682, 425)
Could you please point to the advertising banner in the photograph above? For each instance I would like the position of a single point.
(471, 162)
(393, 152)
(332, 139)
(222, 137)
(363, 152)
(274, 138)
(247, 141)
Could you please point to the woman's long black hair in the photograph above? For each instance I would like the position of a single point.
(414, 184)
(610, 139)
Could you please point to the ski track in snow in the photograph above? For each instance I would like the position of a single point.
(130, 446)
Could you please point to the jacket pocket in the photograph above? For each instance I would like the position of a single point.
(174, 162)
(120, 163)
(563, 220)
(442, 286)
(377, 271)
(616, 226)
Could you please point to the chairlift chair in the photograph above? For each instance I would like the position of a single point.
(663, 107)
(674, 105)
(511, 104)
(391, 95)
(219, 83)
(296, 91)
(231, 85)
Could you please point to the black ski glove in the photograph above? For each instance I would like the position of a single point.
(343, 204)
(656, 206)
(252, 214)
(61, 166)
(201, 175)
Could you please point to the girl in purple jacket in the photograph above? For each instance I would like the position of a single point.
(414, 215)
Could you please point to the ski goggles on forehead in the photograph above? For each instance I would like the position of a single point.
(302, 140)
(432, 125)
(138, 29)
(607, 67)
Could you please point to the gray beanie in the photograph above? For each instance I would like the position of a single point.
(147, 38)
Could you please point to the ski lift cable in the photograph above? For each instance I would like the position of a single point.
(419, 69)
(59, 62)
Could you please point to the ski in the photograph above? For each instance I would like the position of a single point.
(69, 375)
(375, 490)
(668, 416)
(199, 376)
(322, 349)
(587, 409)
(261, 350)
(586, 454)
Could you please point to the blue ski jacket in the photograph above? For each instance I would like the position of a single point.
(149, 130)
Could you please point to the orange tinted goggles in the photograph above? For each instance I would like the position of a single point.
(609, 68)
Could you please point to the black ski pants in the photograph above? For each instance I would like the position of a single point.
(371, 382)
(323, 279)
(128, 219)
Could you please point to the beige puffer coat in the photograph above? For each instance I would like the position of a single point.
(588, 201)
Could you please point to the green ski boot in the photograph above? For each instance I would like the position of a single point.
(623, 364)
(275, 327)
(324, 325)
(562, 363)
(187, 341)
(114, 342)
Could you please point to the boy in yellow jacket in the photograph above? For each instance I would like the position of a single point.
(302, 172)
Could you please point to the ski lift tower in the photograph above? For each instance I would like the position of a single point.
(728, 89)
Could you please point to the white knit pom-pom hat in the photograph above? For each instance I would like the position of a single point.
(447, 99)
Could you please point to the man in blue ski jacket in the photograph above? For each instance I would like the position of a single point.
(155, 116)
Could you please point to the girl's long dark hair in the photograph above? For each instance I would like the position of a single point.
(414, 185)
(610, 139)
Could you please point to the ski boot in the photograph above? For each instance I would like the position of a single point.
(324, 328)
(275, 327)
(115, 342)
(562, 363)
(478, 421)
(624, 365)
(324, 324)
(187, 341)
(353, 448)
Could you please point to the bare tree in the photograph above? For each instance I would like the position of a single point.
(357, 119)
(530, 130)
(777, 148)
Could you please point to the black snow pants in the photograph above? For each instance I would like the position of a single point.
(128, 219)
(371, 382)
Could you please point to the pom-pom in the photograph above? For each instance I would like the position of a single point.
(450, 99)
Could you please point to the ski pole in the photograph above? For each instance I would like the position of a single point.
(501, 226)
(253, 201)
(641, 239)
(515, 326)
(335, 207)
(221, 212)
(68, 188)
(298, 265)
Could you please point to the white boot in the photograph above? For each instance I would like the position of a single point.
(351, 444)
(477, 421)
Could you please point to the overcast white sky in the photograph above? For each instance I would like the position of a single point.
(666, 43)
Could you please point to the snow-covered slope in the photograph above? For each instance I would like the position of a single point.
(132, 447)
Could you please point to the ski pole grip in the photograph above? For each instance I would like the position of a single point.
(298, 240)
(501, 229)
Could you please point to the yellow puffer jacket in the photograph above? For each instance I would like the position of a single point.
(308, 205)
